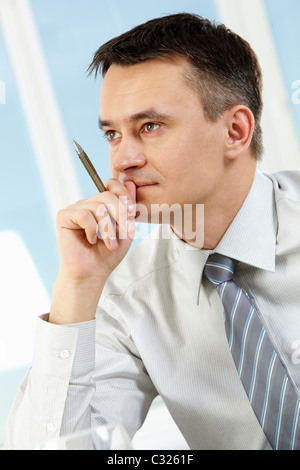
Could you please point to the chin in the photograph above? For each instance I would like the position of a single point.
(158, 212)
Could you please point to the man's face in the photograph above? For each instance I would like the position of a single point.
(158, 135)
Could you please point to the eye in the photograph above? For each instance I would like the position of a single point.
(150, 127)
(112, 135)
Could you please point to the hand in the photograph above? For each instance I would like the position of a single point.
(94, 235)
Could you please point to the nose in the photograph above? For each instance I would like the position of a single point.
(129, 155)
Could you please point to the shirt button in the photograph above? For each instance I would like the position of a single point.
(50, 427)
(64, 354)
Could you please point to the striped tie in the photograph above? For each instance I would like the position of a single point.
(269, 389)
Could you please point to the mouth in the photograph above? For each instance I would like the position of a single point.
(143, 188)
(143, 185)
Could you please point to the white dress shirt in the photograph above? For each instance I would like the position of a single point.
(159, 330)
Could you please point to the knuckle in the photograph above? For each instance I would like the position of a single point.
(101, 210)
(111, 182)
(61, 215)
(85, 212)
(115, 186)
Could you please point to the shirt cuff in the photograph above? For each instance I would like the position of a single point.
(64, 350)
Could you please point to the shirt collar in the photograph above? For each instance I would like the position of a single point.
(251, 237)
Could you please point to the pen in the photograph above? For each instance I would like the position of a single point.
(89, 167)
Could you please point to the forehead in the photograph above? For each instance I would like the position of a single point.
(159, 80)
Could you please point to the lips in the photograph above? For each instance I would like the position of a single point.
(139, 183)
(143, 184)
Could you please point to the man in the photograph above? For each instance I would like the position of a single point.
(180, 106)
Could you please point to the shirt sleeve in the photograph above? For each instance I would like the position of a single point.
(60, 353)
(124, 389)
(82, 375)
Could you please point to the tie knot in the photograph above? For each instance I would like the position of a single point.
(219, 268)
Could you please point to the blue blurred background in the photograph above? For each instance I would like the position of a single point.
(69, 32)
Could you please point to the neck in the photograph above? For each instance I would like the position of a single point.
(208, 222)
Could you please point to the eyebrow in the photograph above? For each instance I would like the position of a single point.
(150, 114)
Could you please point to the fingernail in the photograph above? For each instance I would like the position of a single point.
(130, 225)
(131, 209)
(130, 205)
(126, 201)
(113, 242)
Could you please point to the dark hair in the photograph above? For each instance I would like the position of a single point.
(224, 68)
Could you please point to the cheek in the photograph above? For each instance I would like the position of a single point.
(111, 159)
(193, 168)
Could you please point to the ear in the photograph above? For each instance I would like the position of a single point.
(240, 126)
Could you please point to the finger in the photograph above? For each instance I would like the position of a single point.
(120, 189)
(131, 188)
(85, 219)
(107, 228)
(118, 209)
(126, 193)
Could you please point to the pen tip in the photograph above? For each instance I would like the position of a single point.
(77, 146)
